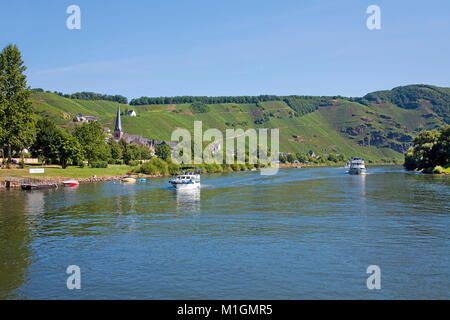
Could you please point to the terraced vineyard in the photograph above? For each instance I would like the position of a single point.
(378, 127)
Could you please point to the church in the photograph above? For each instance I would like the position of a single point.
(134, 138)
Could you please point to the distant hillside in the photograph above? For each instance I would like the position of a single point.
(380, 125)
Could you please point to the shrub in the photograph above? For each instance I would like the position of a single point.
(148, 168)
(214, 167)
(133, 171)
(438, 170)
(226, 167)
(428, 170)
(236, 167)
(155, 166)
(133, 163)
(173, 168)
(217, 167)
(99, 164)
(161, 165)
(199, 107)
(21, 164)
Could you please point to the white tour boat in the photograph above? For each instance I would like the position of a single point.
(357, 166)
(189, 178)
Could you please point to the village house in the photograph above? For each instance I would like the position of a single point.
(81, 118)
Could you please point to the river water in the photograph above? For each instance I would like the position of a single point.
(304, 233)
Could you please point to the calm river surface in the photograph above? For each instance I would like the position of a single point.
(303, 233)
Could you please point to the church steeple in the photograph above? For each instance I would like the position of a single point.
(118, 133)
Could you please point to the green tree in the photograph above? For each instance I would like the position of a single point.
(410, 160)
(47, 137)
(132, 152)
(145, 152)
(70, 150)
(302, 157)
(199, 107)
(443, 147)
(16, 113)
(123, 144)
(115, 149)
(431, 149)
(92, 138)
(163, 151)
(430, 136)
(291, 157)
(332, 157)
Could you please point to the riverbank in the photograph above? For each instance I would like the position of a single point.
(56, 174)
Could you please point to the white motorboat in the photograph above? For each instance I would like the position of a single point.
(189, 178)
(357, 166)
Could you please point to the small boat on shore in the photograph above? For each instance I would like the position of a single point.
(188, 179)
(38, 186)
(71, 183)
(357, 166)
(128, 180)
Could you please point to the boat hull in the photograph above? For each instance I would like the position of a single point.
(185, 185)
(357, 171)
(128, 180)
(71, 183)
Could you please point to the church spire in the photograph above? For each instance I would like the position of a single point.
(118, 120)
(118, 128)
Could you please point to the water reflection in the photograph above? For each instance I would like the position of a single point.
(188, 200)
(15, 237)
(249, 236)
(34, 202)
(71, 189)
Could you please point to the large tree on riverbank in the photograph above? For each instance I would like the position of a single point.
(431, 149)
(92, 139)
(16, 114)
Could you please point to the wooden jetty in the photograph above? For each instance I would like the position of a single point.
(27, 184)
(38, 186)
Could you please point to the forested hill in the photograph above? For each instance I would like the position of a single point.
(378, 126)
(415, 96)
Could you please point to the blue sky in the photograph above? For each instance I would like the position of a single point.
(197, 47)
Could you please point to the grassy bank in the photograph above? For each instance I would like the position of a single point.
(69, 172)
